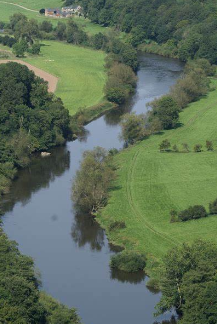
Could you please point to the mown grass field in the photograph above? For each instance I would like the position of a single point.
(150, 184)
(80, 71)
(7, 10)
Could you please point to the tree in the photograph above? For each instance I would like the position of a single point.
(186, 147)
(198, 148)
(36, 48)
(93, 180)
(193, 212)
(20, 48)
(175, 148)
(164, 145)
(46, 26)
(209, 145)
(132, 128)
(166, 110)
(188, 282)
(213, 207)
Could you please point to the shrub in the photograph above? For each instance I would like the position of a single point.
(132, 127)
(128, 261)
(209, 146)
(213, 207)
(166, 110)
(186, 147)
(117, 225)
(164, 145)
(198, 148)
(175, 148)
(193, 212)
(173, 214)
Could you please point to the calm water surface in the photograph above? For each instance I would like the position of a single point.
(71, 251)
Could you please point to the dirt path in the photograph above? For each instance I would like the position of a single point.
(17, 5)
(52, 80)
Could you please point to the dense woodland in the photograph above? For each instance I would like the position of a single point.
(31, 119)
(187, 27)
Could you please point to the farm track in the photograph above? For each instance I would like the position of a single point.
(51, 79)
(17, 5)
(130, 175)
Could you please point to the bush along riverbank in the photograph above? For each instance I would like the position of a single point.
(21, 300)
(152, 183)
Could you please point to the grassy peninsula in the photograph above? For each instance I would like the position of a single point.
(151, 183)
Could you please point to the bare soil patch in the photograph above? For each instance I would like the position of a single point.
(51, 79)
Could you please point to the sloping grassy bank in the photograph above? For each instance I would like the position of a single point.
(81, 73)
(151, 183)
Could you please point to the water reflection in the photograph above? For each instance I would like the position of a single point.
(40, 173)
(133, 278)
(113, 117)
(85, 230)
(171, 321)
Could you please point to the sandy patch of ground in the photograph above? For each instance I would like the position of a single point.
(51, 79)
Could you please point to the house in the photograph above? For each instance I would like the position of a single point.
(55, 12)
(71, 10)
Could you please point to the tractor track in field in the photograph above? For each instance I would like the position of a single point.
(130, 173)
(17, 5)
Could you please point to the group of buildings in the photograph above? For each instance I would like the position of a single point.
(64, 12)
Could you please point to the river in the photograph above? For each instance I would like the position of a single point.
(71, 251)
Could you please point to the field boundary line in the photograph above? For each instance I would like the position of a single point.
(17, 5)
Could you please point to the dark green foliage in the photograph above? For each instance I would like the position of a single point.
(57, 313)
(7, 40)
(132, 128)
(193, 212)
(198, 148)
(90, 189)
(128, 261)
(175, 148)
(173, 216)
(121, 83)
(165, 145)
(189, 283)
(20, 299)
(209, 145)
(213, 207)
(117, 225)
(31, 119)
(166, 111)
(186, 147)
(188, 28)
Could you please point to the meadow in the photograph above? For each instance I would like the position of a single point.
(7, 9)
(80, 71)
(150, 184)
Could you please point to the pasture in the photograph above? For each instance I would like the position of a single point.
(8, 8)
(150, 184)
(80, 71)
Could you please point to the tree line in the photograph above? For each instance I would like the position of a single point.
(164, 113)
(31, 119)
(21, 301)
(186, 28)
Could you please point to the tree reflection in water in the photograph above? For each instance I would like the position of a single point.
(85, 230)
(122, 276)
(37, 175)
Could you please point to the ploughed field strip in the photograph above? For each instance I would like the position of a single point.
(51, 79)
(150, 184)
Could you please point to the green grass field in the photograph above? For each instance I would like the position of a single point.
(8, 9)
(80, 71)
(150, 184)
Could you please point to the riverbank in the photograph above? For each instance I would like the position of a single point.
(150, 184)
(38, 212)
